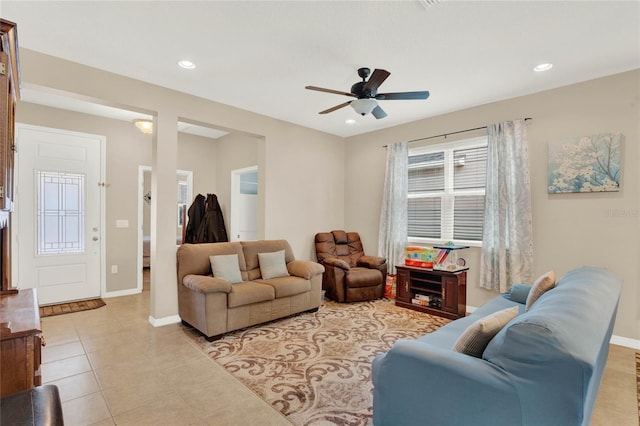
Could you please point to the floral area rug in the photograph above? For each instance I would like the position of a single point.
(315, 368)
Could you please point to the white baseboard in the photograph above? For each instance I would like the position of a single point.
(625, 341)
(159, 322)
(615, 340)
(120, 293)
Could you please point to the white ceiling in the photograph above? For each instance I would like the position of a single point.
(259, 55)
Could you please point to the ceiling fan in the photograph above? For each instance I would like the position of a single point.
(366, 94)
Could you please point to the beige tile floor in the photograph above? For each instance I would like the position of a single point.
(112, 367)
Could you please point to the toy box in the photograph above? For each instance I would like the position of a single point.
(421, 257)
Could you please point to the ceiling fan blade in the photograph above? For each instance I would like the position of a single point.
(335, 92)
(327, 111)
(378, 113)
(402, 95)
(376, 79)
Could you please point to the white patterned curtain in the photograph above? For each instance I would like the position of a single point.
(507, 242)
(393, 214)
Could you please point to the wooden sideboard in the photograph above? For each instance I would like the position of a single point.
(20, 341)
(20, 329)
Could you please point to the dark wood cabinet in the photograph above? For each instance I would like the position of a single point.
(434, 292)
(9, 96)
(20, 330)
(20, 341)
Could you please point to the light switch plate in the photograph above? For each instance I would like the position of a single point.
(122, 223)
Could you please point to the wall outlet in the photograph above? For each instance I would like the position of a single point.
(114, 269)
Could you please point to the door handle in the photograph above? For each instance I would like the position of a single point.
(95, 238)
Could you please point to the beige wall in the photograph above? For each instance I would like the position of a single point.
(199, 155)
(304, 191)
(301, 170)
(570, 230)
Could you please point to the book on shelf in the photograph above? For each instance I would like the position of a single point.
(450, 268)
(420, 302)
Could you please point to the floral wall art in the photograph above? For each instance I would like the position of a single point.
(585, 164)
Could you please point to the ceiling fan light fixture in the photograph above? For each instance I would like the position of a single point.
(144, 125)
(364, 106)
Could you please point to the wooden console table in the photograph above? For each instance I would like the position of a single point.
(446, 291)
(20, 341)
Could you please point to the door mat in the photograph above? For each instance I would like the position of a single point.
(70, 307)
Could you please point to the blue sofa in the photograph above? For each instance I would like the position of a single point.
(543, 368)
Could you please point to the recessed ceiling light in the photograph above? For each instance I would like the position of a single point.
(542, 67)
(187, 64)
(350, 121)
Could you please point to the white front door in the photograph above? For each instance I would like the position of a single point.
(59, 213)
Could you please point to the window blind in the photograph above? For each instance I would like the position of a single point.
(426, 173)
(469, 168)
(468, 217)
(424, 217)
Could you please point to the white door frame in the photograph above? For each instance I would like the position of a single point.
(15, 217)
(141, 171)
(235, 190)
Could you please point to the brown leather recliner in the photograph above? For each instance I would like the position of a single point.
(349, 275)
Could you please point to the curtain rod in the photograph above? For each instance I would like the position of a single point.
(451, 133)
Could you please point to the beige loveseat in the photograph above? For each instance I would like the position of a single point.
(214, 306)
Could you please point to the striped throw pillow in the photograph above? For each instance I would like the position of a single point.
(543, 283)
(477, 336)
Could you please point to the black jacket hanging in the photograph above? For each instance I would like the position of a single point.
(212, 229)
(196, 214)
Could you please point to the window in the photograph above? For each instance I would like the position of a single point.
(60, 212)
(249, 183)
(446, 192)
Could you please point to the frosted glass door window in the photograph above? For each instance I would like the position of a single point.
(249, 183)
(61, 213)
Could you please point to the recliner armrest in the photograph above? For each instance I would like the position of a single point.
(206, 284)
(338, 263)
(304, 268)
(372, 262)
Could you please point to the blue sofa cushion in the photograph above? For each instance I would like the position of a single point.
(518, 293)
(446, 336)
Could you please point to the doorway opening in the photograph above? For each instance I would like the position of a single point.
(244, 204)
(184, 182)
